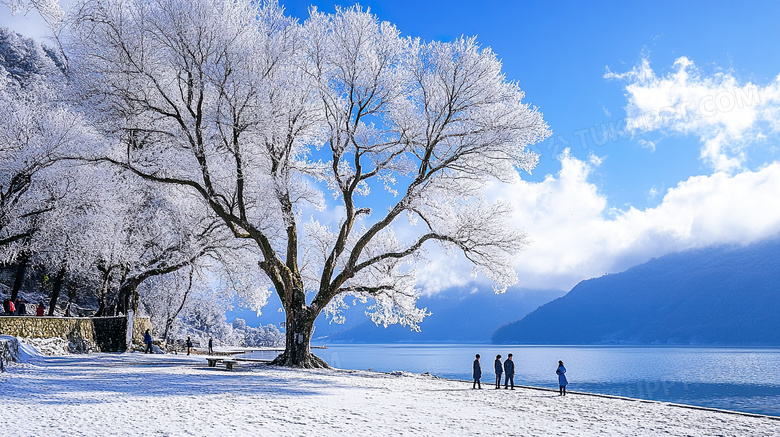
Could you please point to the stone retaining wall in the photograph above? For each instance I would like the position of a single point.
(106, 334)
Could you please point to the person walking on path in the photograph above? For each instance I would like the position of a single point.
(211, 344)
(561, 371)
(477, 374)
(499, 368)
(189, 345)
(148, 341)
(509, 371)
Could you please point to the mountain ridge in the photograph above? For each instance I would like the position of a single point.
(727, 295)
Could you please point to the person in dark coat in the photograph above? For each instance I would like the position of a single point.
(499, 368)
(39, 310)
(561, 372)
(211, 344)
(21, 310)
(477, 374)
(509, 371)
(148, 341)
(189, 345)
(6, 306)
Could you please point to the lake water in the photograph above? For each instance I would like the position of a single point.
(740, 379)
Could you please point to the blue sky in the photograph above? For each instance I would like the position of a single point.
(692, 88)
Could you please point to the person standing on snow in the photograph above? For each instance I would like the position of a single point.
(477, 373)
(21, 310)
(509, 370)
(148, 341)
(189, 345)
(499, 368)
(562, 382)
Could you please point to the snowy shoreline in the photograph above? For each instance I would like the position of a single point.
(137, 394)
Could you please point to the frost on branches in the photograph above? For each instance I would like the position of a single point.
(280, 126)
(37, 130)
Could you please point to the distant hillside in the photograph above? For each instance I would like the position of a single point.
(457, 316)
(720, 296)
(24, 59)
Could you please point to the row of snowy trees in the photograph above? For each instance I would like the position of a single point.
(87, 225)
(228, 142)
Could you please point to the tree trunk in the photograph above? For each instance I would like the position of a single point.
(55, 293)
(21, 269)
(297, 350)
(126, 293)
(102, 300)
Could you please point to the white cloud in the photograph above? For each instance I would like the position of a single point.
(698, 212)
(725, 114)
(647, 144)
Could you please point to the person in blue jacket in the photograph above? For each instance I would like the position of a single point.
(477, 374)
(561, 371)
(509, 371)
(499, 368)
(148, 341)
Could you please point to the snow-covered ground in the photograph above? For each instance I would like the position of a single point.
(169, 395)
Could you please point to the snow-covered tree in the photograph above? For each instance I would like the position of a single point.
(37, 131)
(241, 105)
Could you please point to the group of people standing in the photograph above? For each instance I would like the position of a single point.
(507, 368)
(18, 308)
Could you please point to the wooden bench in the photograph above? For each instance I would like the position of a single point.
(229, 364)
(213, 361)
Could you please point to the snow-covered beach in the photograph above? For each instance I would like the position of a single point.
(167, 395)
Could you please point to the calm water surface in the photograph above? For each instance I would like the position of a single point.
(741, 379)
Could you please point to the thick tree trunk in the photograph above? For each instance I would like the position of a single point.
(297, 350)
(55, 293)
(103, 298)
(21, 270)
(125, 297)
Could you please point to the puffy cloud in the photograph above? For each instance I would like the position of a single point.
(726, 115)
(575, 236)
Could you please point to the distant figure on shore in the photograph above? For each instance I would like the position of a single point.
(148, 341)
(211, 344)
(39, 310)
(477, 374)
(499, 368)
(509, 371)
(561, 371)
(189, 345)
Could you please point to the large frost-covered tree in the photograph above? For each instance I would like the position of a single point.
(280, 126)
